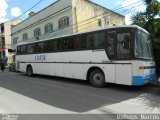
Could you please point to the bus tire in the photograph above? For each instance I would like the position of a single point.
(97, 78)
(29, 71)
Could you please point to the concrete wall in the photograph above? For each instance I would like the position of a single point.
(87, 16)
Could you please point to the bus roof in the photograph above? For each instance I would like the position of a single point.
(120, 26)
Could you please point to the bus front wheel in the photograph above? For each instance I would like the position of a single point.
(29, 71)
(97, 78)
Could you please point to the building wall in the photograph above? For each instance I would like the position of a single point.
(51, 14)
(5, 38)
(89, 13)
(76, 10)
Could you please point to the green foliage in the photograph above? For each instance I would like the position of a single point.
(148, 2)
(152, 10)
(138, 19)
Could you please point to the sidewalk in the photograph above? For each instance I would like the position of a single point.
(143, 104)
(14, 103)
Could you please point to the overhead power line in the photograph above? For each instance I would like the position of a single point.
(118, 8)
(89, 22)
(99, 16)
(27, 10)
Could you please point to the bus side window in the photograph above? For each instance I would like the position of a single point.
(52, 46)
(91, 41)
(76, 42)
(30, 49)
(126, 42)
(45, 46)
(71, 43)
(65, 44)
(23, 49)
(68, 43)
(18, 50)
(59, 44)
(83, 42)
(40, 47)
(36, 47)
(87, 41)
(99, 39)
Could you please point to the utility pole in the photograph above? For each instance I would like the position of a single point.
(75, 27)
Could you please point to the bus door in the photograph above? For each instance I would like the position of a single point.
(123, 57)
(118, 52)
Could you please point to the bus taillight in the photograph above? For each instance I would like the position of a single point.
(141, 67)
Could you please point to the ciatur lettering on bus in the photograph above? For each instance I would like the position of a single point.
(40, 58)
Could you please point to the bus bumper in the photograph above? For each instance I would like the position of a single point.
(143, 80)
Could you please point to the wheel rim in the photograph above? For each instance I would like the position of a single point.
(98, 78)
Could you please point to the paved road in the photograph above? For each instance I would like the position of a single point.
(74, 96)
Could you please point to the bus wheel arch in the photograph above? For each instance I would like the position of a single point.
(96, 77)
(29, 70)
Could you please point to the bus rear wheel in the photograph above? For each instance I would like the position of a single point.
(97, 78)
(29, 71)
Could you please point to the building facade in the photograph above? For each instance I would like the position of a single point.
(5, 39)
(64, 17)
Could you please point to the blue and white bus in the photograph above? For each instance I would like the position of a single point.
(119, 54)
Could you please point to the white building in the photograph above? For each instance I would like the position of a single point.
(64, 17)
(5, 39)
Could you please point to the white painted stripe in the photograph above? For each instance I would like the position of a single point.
(13, 103)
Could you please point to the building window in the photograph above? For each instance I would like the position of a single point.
(25, 36)
(99, 22)
(63, 22)
(48, 28)
(37, 33)
(15, 39)
(2, 27)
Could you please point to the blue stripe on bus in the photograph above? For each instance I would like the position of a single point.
(142, 80)
(159, 83)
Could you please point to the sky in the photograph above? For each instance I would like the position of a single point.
(11, 9)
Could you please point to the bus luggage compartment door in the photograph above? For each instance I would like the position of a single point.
(124, 74)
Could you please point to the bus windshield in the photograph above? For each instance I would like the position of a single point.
(143, 47)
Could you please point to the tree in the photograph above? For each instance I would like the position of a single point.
(138, 19)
